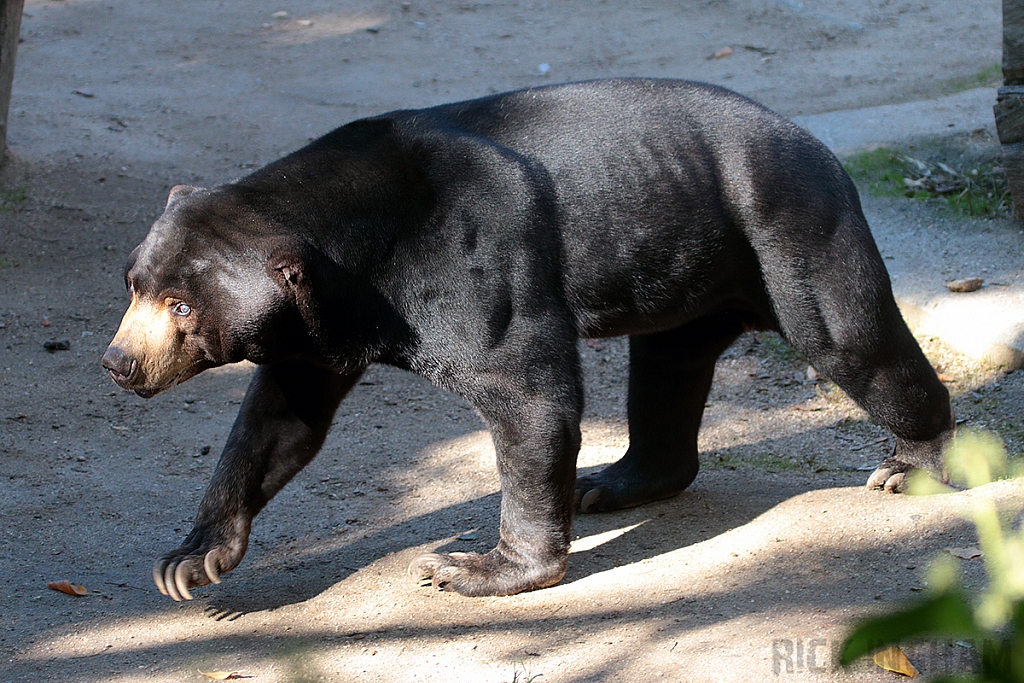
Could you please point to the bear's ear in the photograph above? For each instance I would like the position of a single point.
(179, 191)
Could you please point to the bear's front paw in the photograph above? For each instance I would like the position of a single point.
(197, 562)
(476, 575)
(890, 476)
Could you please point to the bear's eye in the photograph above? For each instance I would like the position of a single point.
(181, 308)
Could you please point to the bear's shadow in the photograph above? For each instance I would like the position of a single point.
(715, 503)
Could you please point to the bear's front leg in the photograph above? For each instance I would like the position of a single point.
(536, 432)
(282, 424)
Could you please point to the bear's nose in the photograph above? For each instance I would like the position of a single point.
(119, 364)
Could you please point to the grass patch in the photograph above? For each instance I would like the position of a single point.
(989, 77)
(776, 348)
(961, 173)
(880, 170)
(12, 197)
(748, 458)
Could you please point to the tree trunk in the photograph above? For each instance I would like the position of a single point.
(1009, 109)
(10, 29)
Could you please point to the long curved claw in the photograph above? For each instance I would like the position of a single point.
(181, 580)
(158, 575)
(210, 565)
(422, 568)
(589, 499)
(172, 589)
(890, 476)
(432, 569)
(897, 483)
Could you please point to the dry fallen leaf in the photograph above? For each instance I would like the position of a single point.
(970, 284)
(222, 675)
(964, 553)
(894, 660)
(723, 53)
(65, 586)
(946, 378)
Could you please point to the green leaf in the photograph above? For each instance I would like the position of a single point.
(1018, 618)
(946, 614)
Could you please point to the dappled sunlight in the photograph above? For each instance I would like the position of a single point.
(461, 468)
(599, 447)
(761, 577)
(985, 325)
(732, 425)
(590, 542)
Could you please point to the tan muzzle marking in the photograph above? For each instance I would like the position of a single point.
(149, 336)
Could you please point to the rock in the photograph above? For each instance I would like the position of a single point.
(970, 284)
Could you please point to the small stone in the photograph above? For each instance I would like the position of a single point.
(280, 15)
(970, 284)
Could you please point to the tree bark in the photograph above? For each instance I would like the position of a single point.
(10, 29)
(1013, 42)
(1009, 108)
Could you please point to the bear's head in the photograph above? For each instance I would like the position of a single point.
(213, 283)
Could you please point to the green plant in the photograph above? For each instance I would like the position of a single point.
(11, 197)
(777, 348)
(880, 169)
(969, 178)
(520, 674)
(996, 618)
(989, 77)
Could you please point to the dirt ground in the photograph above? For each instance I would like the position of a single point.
(755, 572)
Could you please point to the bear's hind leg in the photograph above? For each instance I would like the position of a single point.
(670, 376)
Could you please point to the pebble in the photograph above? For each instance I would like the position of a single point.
(970, 284)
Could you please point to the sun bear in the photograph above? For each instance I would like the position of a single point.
(475, 244)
